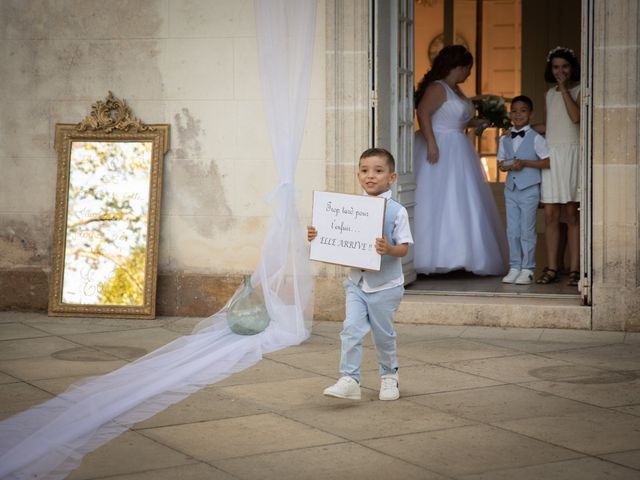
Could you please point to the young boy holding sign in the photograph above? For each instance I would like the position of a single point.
(372, 298)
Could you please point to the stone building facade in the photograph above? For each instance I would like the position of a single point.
(194, 65)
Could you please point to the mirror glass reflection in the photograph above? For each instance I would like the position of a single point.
(107, 223)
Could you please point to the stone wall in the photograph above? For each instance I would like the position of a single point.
(616, 169)
(191, 64)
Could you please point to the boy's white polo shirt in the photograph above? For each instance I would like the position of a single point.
(401, 234)
(539, 145)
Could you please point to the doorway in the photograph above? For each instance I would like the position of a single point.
(509, 40)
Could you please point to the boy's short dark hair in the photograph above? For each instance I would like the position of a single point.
(380, 152)
(524, 99)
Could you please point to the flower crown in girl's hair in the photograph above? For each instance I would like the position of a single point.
(560, 49)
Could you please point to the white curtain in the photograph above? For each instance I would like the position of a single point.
(49, 440)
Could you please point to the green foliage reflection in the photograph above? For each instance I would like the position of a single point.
(107, 223)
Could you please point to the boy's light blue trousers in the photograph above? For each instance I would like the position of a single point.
(369, 312)
(522, 206)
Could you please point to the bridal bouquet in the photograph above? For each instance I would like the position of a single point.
(492, 107)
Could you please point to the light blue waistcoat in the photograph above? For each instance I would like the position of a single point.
(526, 151)
(390, 267)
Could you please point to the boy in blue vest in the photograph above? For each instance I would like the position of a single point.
(372, 298)
(522, 154)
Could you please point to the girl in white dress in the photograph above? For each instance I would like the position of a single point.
(560, 183)
(457, 225)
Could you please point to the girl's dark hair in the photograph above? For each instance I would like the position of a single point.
(569, 56)
(448, 58)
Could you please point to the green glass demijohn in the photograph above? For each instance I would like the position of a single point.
(247, 313)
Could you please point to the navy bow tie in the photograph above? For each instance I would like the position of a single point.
(517, 134)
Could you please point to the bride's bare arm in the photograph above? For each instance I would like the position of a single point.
(433, 98)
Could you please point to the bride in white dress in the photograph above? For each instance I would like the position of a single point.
(457, 225)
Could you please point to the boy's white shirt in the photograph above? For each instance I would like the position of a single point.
(539, 145)
(401, 234)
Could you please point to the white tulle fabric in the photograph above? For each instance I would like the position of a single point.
(49, 440)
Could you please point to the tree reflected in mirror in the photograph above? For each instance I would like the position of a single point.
(107, 223)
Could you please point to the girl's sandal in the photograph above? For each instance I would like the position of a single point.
(549, 275)
(574, 278)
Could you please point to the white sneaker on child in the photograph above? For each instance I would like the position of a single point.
(525, 277)
(345, 387)
(389, 387)
(511, 276)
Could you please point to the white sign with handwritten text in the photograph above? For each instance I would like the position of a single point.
(347, 227)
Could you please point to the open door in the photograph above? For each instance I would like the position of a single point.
(586, 130)
(392, 98)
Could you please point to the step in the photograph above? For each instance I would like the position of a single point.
(495, 310)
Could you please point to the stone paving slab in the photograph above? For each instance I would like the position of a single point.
(619, 356)
(25, 347)
(592, 433)
(128, 453)
(64, 326)
(240, 436)
(502, 403)
(267, 370)
(139, 341)
(47, 367)
(631, 410)
(211, 403)
(407, 333)
(336, 462)
(580, 469)
(581, 336)
(471, 449)
(452, 349)
(516, 368)
(374, 419)
(11, 331)
(530, 334)
(56, 386)
(528, 346)
(603, 388)
(422, 379)
(630, 458)
(15, 397)
(182, 325)
(193, 471)
(4, 378)
(287, 394)
(632, 337)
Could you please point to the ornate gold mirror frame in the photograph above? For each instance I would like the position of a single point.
(105, 242)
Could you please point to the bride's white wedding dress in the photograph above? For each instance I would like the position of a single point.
(457, 225)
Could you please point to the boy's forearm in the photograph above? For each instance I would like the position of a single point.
(543, 163)
(398, 250)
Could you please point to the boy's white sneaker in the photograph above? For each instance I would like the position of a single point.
(345, 387)
(389, 387)
(525, 277)
(511, 276)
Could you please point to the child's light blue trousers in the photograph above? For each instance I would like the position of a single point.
(522, 206)
(369, 312)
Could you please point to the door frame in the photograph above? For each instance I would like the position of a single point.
(391, 105)
(391, 66)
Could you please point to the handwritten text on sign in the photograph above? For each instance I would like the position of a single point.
(347, 227)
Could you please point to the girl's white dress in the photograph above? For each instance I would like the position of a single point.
(457, 225)
(560, 183)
